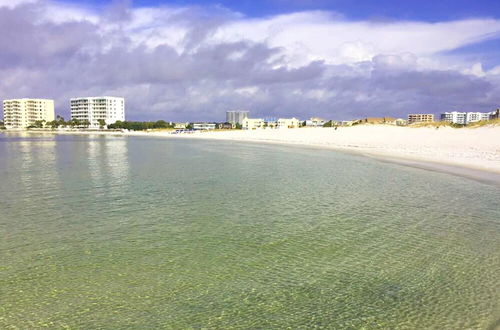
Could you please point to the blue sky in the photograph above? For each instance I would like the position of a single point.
(359, 9)
(193, 60)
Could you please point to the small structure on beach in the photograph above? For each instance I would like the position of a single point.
(315, 122)
(203, 126)
(225, 126)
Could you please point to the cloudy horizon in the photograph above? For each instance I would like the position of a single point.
(194, 61)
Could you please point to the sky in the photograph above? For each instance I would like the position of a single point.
(193, 60)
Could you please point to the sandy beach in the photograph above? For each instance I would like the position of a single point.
(475, 148)
(472, 148)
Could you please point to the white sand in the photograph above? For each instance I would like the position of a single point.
(475, 148)
(472, 148)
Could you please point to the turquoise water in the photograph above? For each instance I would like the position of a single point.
(117, 232)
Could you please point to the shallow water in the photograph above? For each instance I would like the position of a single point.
(128, 232)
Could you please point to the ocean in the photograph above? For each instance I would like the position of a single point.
(136, 232)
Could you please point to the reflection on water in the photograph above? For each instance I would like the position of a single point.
(110, 232)
(95, 157)
(108, 161)
(116, 158)
(36, 164)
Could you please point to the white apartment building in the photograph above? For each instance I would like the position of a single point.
(288, 123)
(464, 118)
(236, 117)
(22, 113)
(252, 123)
(110, 109)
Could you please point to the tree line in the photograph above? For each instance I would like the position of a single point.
(140, 125)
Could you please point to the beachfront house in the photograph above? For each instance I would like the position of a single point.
(252, 123)
(315, 122)
(225, 126)
(400, 122)
(288, 123)
(180, 125)
(203, 126)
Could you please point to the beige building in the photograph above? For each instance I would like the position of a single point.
(420, 118)
(21, 113)
(252, 123)
(288, 123)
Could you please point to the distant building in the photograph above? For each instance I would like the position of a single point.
(288, 123)
(400, 122)
(420, 118)
(180, 125)
(315, 122)
(22, 113)
(347, 122)
(464, 118)
(225, 126)
(377, 120)
(236, 117)
(454, 117)
(110, 109)
(252, 123)
(203, 126)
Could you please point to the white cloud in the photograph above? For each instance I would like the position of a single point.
(317, 35)
(180, 62)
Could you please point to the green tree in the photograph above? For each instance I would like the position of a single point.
(74, 123)
(238, 126)
(60, 121)
(102, 123)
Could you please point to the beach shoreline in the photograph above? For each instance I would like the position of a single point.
(473, 152)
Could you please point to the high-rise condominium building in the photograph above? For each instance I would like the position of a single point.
(420, 118)
(236, 117)
(110, 109)
(22, 113)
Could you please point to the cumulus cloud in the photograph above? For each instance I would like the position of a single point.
(194, 63)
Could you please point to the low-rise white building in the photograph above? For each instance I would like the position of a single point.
(315, 122)
(22, 113)
(92, 109)
(252, 123)
(288, 123)
(455, 117)
(464, 118)
(203, 126)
